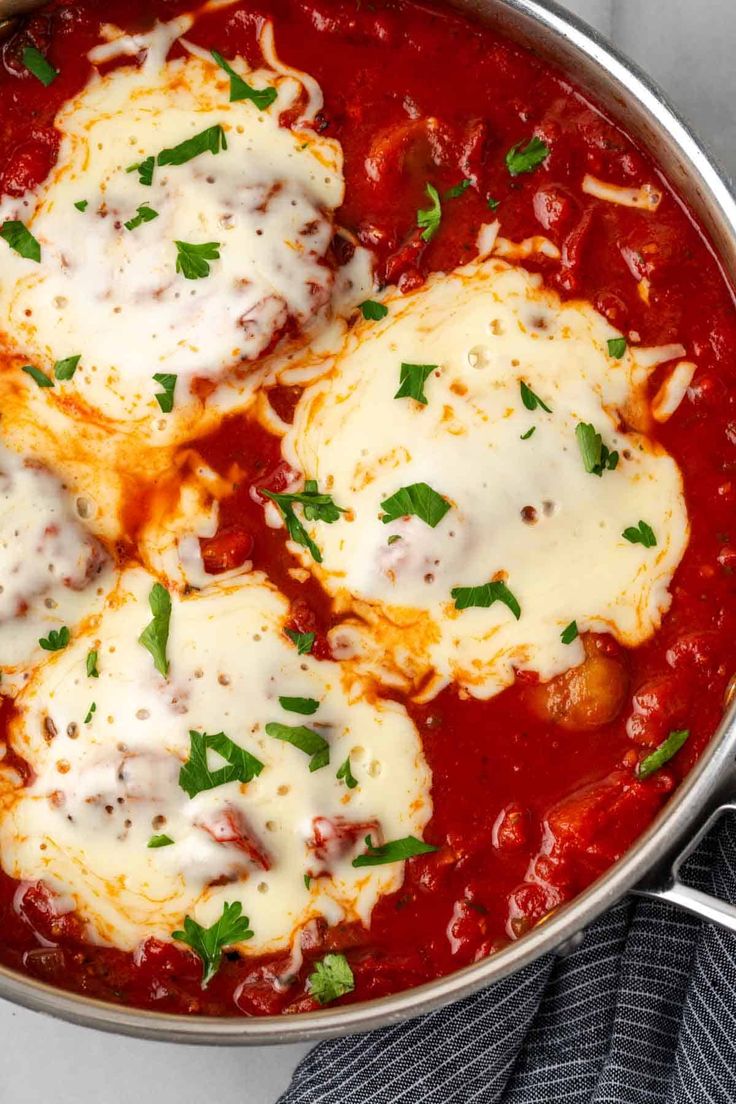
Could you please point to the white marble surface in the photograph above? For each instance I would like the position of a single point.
(688, 47)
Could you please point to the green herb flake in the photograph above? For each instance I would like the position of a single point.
(331, 978)
(160, 841)
(617, 347)
(144, 169)
(417, 500)
(92, 671)
(65, 369)
(40, 66)
(395, 851)
(372, 311)
(393, 538)
(457, 189)
(316, 507)
(155, 636)
(239, 90)
(640, 534)
(531, 400)
(493, 204)
(21, 240)
(165, 398)
(211, 140)
(596, 456)
(305, 739)
(662, 754)
(193, 261)
(145, 214)
(196, 776)
(37, 376)
(209, 943)
(307, 881)
(526, 158)
(56, 640)
(412, 379)
(430, 217)
(304, 641)
(485, 596)
(570, 633)
(82, 204)
(305, 706)
(345, 774)
(528, 434)
(92, 709)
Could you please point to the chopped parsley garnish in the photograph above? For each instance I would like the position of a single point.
(196, 776)
(493, 204)
(304, 641)
(82, 204)
(56, 640)
(373, 311)
(145, 214)
(527, 435)
(92, 671)
(21, 240)
(40, 66)
(211, 140)
(345, 774)
(303, 738)
(662, 754)
(430, 217)
(307, 880)
(316, 506)
(596, 456)
(616, 347)
(37, 376)
(65, 369)
(485, 596)
(160, 841)
(144, 169)
(570, 633)
(458, 189)
(393, 538)
(331, 978)
(239, 90)
(531, 400)
(419, 500)
(395, 851)
(529, 158)
(412, 380)
(155, 636)
(165, 398)
(305, 706)
(209, 943)
(640, 534)
(193, 261)
(92, 709)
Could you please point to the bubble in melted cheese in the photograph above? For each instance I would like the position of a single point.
(107, 287)
(523, 508)
(103, 787)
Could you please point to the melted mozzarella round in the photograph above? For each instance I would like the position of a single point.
(523, 508)
(104, 786)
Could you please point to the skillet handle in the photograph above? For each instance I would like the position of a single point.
(663, 883)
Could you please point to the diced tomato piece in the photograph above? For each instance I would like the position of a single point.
(228, 549)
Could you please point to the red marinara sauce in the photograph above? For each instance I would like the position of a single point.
(527, 812)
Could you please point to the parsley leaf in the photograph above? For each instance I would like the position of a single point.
(345, 774)
(417, 499)
(160, 841)
(331, 978)
(596, 456)
(305, 739)
(316, 506)
(145, 214)
(640, 534)
(570, 633)
(92, 671)
(40, 66)
(529, 158)
(82, 204)
(616, 347)
(192, 260)
(195, 775)
(484, 596)
(56, 640)
(304, 641)
(37, 375)
(412, 380)
(21, 240)
(527, 435)
(65, 369)
(92, 709)
(239, 90)
(165, 398)
(530, 400)
(209, 943)
(305, 706)
(457, 189)
(430, 217)
(662, 754)
(493, 204)
(155, 636)
(144, 169)
(395, 851)
(211, 140)
(372, 311)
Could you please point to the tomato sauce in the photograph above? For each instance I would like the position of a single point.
(526, 812)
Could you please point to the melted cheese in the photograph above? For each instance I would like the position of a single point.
(522, 510)
(104, 787)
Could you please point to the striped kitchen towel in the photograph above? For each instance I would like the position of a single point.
(642, 1012)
